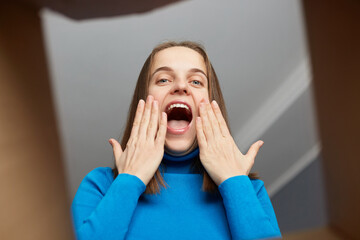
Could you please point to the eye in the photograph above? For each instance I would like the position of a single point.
(196, 82)
(163, 80)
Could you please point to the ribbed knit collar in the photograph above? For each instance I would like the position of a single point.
(188, 156)
(179, 164)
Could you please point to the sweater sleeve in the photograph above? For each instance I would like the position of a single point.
(103, 207)
(248, 209)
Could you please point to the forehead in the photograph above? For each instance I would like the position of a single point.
(178, 58)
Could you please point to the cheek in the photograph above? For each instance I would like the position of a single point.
(200, 97)
(204, 94)
(197, 101)
(160, 100)
(160, 97)
(156, 94)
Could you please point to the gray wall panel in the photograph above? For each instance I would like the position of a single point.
(301, 204)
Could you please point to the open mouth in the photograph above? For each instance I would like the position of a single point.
(179, 117)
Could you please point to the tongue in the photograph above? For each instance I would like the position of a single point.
(178, 124)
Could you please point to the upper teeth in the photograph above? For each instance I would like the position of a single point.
(178, 105)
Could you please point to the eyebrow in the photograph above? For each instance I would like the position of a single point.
(169, 69)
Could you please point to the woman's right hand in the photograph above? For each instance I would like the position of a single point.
(145, 148)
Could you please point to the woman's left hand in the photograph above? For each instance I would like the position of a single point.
(219, 154)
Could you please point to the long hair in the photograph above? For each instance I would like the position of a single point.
(141, 92)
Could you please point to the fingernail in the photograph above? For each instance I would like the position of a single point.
(155, 103)
(215, 104)
(261, 143)
(110, 141)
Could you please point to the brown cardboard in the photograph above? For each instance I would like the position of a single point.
(333, 29)
(33, 195)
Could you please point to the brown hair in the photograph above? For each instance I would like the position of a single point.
(141, 92)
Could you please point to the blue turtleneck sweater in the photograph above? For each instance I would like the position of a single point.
(108, 208)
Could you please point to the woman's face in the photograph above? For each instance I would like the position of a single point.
(179, 83)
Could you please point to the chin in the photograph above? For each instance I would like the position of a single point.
(179, 146)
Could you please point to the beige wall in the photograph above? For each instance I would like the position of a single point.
(33, 195)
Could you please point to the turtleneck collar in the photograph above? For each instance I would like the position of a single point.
(185, 157)
(179, 164)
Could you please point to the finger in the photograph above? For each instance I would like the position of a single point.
(254, 149)
(117, 150)
(213, 120)
(146, 117)
(154, 120)
(205, 122)
(200, 133)
(222, 123)
(161, 134)
(137, 119)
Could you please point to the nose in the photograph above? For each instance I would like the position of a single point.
(180, 87)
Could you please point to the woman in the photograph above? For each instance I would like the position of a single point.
(178, 173)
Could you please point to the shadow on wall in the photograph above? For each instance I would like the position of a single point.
(301, 204)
